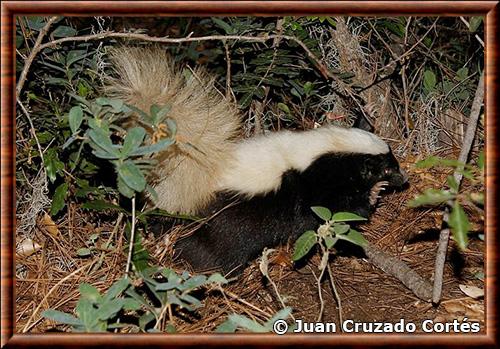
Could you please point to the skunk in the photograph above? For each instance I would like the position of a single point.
(264, 197)
(253, 193)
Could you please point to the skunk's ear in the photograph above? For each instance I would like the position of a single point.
(362, 124)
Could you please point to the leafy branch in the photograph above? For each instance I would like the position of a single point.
(326, 236)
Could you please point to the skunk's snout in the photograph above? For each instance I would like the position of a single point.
(398, 179)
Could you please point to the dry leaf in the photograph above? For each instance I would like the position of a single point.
(27, 247)
(472, 291)
(50, 225)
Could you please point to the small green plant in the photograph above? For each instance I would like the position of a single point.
(96, 312)
(149, 300)
(327, 235)
(240, 322)
(130, 155)
(453, 197)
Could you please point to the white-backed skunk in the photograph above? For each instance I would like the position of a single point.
(257, 192)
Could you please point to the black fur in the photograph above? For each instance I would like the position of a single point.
(239, 233)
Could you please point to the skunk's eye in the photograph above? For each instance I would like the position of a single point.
(387, 171)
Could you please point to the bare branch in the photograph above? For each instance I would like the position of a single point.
(444, 236)
(393, 266)
(34, 51)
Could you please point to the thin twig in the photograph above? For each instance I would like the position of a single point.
(228, 72)
(263, 266)
(337, 297)
(37, 47)
(318, 283)
(138, 36)
(32, 129)
(132, 240)
(239, 299)
(444, 236)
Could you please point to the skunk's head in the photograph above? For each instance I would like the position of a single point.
(383, 168)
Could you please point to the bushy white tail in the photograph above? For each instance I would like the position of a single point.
(186, 176)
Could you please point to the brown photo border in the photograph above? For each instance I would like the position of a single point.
(10, 9)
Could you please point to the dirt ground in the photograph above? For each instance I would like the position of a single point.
(366, 293)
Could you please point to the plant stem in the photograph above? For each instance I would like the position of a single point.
(132, 240)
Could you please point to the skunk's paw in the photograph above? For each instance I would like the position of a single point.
(375, 191)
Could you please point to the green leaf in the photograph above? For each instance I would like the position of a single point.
(132, 176)
(80, 99)
(340, 228)
(124, 189)
(145, 319)
(36, 22)
(133, 140)
(347, 217)
(284, 107)
(429, 81)
(75, 117)
(304, 244)
(101, 138)
(153, 148)
(431, 197)
(459, 225)
(428, 162)
(161, 114)
(355, 237)
(110, 309)
(227, 326)
(141, 113)
(116, 104)
(172, 126)
(60, 317)
(90, 292)
(221, 24)
(462, 73)
(453, 184)
(194, 282)
(322, 212)
(83, 252)
(330, 241)
(217, 279)
(190, 299)
(245, 323)
(58, 202)
(139, 298)
(117, 288)
(64, 31)
(153, 195)
(130, 304)
(76, 55)
(103, 155)
(474, 23)
(52, 164)
(308, 88)
(87, 314)
(280, 315)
